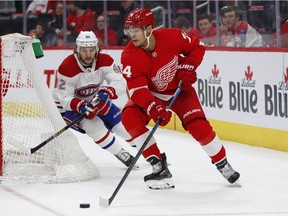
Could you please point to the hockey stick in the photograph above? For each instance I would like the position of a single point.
(106, 202)
(28, 150)
(24, 148)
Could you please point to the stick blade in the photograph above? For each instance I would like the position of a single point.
(104, 202)
(16, 143)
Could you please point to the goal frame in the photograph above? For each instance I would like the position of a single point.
(62, 164)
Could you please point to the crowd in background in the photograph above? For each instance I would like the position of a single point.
(240, 23)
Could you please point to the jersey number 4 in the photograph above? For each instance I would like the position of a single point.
(127, 71)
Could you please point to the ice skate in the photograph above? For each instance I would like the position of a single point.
(228, 172)
(160, 178)
(126, 158)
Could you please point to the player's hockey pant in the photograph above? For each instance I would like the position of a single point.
(135, 120)
(112, 118)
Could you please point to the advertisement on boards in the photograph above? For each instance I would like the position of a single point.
(246, 89)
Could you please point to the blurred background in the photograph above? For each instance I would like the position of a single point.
(57, 23)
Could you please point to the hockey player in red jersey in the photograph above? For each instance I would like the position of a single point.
(80, 80)
(153, 63)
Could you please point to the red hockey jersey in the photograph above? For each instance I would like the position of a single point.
(156, 70)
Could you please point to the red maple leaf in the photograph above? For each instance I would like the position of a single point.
(286, 76)
(248, 73)
(215, 71)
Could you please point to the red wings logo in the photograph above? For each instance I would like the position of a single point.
(248, 74)
(165, 75)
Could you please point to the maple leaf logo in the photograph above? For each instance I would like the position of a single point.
(248, 73)
(286, 76)
(215, 71)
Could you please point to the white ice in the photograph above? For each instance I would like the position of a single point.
(199, 187)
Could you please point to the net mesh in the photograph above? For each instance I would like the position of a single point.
(29, 116)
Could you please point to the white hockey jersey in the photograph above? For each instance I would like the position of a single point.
(76, 81)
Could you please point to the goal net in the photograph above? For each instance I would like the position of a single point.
(30, 116)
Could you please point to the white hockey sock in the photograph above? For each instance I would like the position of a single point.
(120, 131)
(109, 143)
(139, 141)
(213, 147)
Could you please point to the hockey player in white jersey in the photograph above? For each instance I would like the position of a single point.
(80, 80)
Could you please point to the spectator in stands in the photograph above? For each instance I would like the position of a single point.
(182, 23)
(80, 18)
(47, 37)
(125, 8)
(38, 11)
(37, 7)
(283, 29)
(96, 6)
(51, 6)
(261, 16)
(100, 32)
(57, 23)
(208, 34)
(236, 33)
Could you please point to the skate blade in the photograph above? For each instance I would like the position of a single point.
(237, 184)
(163, 184)
(136, 167)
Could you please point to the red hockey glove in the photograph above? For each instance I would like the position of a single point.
(108, 90)
(188, 77)
(156, 110)
(104, 104)
(83, 106)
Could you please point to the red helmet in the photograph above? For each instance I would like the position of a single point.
(139, 17)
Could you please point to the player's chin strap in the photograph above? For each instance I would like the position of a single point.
(147, 38)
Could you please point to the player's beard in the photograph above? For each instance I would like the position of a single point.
(88, 61)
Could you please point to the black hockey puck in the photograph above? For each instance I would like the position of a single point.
(84, 205)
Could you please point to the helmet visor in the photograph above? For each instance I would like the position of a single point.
(131, 30)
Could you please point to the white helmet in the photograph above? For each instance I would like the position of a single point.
(86, 39)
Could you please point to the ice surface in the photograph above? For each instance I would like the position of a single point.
(199, 187)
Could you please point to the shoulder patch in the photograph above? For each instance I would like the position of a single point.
(69, 67)
(116, 69)
(104, 60)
